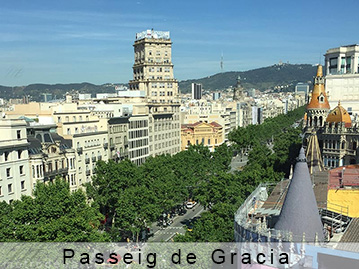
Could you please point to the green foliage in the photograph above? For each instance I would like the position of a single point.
(225, 192)
(54, 214)
(133, 197)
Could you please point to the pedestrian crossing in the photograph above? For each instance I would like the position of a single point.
(171, 230)
(168, 232)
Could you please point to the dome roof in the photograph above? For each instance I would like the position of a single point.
(339, 114)
(319, 98)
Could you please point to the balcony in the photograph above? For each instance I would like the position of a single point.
(112, 147)
(79, 150)
(93, 159)
(52, 174)
(99, 158)
(88, 172)
(87, 160)
(105, 145)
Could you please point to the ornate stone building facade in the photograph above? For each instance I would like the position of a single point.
(337, 135)
(153, 75)
(208, 134)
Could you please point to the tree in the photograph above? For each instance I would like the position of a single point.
(54, 214)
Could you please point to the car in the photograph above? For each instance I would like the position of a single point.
(190, 204)
(182, 212)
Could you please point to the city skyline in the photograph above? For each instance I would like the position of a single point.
(92, 42)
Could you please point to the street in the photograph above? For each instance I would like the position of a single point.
(238, 162)
(165, 234)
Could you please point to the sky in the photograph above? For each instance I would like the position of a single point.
(91, 40)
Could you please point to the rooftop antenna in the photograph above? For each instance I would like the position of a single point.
(222, 62)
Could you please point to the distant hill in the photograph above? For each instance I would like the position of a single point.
(57, 90)
(262, 78)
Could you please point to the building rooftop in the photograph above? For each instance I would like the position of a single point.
(351, 237)
(348, 174)
(151, 34)
(319, 98)
(299, 212)
(338, 115)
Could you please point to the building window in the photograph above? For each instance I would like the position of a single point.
(68, 131)
(0, 191)
(209, 141)
(9, 188)
(21, 169)
(18, 133)
(333, 65)
(7, 156)
(23, 184)
(8, 172)
(19, 154)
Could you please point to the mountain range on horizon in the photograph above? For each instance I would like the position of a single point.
(264, 78)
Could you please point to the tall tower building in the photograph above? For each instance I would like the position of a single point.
(153, 75)
(196, 91)
(318, 107)
(238, 90)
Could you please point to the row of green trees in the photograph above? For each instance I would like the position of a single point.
(228, 191)
(133, 197)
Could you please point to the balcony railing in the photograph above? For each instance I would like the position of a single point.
(54, 173)
(87, 160)
(93, 159)
(99, 158)
(88, 172)
(79, 150)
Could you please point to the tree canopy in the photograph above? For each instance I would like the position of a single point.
(53, 214)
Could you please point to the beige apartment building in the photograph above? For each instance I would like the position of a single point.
(153, 75)
(118, 138)
(87, 133)
(138, 139)
(50, 155)
(14, 160)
